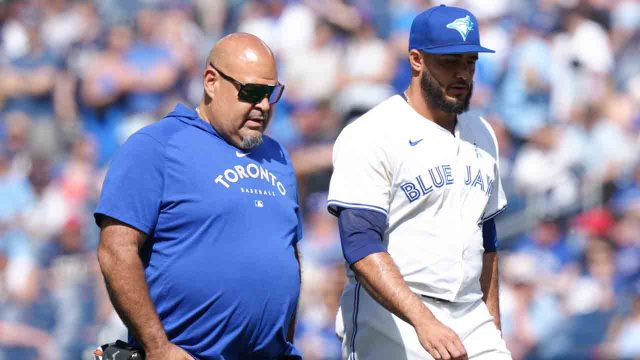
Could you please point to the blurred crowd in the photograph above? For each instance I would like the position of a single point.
(562, 92)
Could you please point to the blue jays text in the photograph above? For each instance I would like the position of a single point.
(442, 176)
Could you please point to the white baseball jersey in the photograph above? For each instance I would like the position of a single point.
(435, 188)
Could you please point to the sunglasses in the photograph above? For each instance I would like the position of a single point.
(254, 93)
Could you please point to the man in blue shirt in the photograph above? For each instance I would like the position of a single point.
(200, 221)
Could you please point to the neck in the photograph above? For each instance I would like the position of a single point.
(203, 112)
(424, 108)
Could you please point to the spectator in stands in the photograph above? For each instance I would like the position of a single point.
(105, 83)
(151, 66)
(28, 82)
(366, 70)
(524, 100)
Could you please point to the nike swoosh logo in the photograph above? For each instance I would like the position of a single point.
(414, 143)
(241, 154)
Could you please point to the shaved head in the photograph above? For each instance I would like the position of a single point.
(234, 61)
(241, 51)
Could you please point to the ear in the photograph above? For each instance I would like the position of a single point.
(209, 80)
(415, 60)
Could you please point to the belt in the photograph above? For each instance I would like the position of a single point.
(436, 299)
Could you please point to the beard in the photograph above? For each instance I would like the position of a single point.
(434, 95)
(249, 142)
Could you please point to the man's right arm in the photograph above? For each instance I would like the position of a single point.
(382, 279)
(125, 281)
(361, 234)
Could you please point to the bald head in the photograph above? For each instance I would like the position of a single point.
(243, 54)
(243, 68)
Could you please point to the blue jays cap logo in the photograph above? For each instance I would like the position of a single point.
(462, 25)
(429, 31)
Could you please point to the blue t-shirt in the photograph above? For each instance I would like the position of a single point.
(222, 225)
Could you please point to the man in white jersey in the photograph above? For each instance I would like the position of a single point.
(415, 187)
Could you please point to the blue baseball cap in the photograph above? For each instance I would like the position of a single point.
(446, 30)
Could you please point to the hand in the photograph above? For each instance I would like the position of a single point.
(167, 352)
(440, 341)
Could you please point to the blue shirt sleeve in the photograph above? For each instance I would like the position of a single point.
(299, 216)
(361, 233)
(132, 190)
(489, 236)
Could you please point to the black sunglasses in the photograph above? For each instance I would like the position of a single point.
(254, 93)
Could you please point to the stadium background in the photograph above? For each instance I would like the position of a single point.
(562, 93)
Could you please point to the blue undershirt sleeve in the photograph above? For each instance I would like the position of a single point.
(132, 189)
(489, 236)
(361, 233)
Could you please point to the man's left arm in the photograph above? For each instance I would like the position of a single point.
(489, 276)
(489, 285)
(292, 323)
(496, 204)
